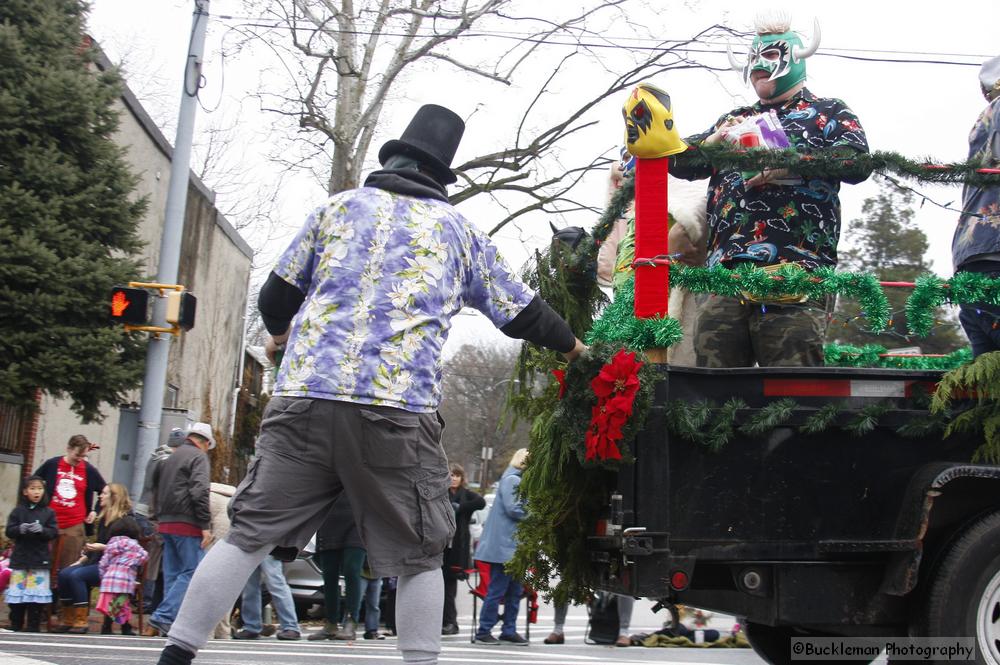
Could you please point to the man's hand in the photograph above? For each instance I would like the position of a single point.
(206, 538)
(766, 177)
(721, 130)
(274, 344)
(577, 350)
(91, 516)
(680, 243)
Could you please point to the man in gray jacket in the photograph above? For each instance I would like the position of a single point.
(181, 505)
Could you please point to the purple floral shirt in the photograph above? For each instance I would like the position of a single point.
(383, 274)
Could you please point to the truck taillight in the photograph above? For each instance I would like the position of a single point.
(679, 580)
(601, 528)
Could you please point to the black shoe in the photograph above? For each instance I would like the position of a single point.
(127, 629)
(450, 629)
(373, 635)
(288, 634)
(174, 655)
(106, 626)
(515, 640)
(245, 635)
(487, 639)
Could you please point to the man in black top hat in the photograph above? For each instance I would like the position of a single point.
(361, 302)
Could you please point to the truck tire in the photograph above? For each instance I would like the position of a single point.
(774, 643)
(964, 596)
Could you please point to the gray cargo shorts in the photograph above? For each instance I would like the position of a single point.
(389, 461)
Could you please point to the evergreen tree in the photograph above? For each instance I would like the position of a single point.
(887, 242)
(67, 215)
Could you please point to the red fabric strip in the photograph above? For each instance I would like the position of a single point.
(652, 283)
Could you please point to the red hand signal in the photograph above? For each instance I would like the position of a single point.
(119, 303)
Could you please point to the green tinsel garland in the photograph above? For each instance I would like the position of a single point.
(618, 325)
(965, 288)
(864, 287)
(845, 355)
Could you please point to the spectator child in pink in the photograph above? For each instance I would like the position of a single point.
(119, 569)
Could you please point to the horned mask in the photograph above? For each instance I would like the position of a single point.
(782, 55)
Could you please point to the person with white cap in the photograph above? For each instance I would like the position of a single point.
(181, 505)
(976, 245)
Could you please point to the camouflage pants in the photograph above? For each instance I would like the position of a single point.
(735, 334)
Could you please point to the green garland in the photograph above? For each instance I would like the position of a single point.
(965, 288)
(714, 426)
(869, 355)
(814, 166)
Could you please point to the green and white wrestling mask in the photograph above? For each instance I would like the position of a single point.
(781, 55)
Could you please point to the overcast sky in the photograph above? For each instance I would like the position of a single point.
(919, 110)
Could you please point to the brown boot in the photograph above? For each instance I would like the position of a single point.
(65, 619)
(80, 619)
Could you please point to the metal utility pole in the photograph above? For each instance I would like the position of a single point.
(154, 383)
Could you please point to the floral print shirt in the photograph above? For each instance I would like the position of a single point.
(383, 274)
(794, 222)
(977, 236)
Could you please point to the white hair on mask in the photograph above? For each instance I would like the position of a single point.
(772, 22)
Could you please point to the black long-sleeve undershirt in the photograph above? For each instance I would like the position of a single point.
(538, 323)
(278, 302)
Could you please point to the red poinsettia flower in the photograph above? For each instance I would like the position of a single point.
(560, 375)
(615, 387)
(620, 376)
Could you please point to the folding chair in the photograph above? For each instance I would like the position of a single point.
(481, 573)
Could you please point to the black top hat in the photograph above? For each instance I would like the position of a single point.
(432, 137)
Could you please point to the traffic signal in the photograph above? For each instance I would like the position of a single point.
(180, 309)
(130, 305)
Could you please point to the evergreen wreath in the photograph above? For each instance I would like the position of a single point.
(564, 490)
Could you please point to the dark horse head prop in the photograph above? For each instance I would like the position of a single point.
(572, 250)
(570, 236)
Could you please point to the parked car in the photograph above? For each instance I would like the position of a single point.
(306, 579)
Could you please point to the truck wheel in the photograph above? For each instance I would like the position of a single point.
(964, 598)
(774, 643)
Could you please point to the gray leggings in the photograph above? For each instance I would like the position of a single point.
(223, 573)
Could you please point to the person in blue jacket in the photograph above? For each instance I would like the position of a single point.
(496, 547)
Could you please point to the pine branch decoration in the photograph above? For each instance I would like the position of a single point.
(822, 419)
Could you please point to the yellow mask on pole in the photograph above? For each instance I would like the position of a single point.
(649, 124)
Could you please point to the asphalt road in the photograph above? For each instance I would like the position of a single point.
(43, 648)
(39, 649)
